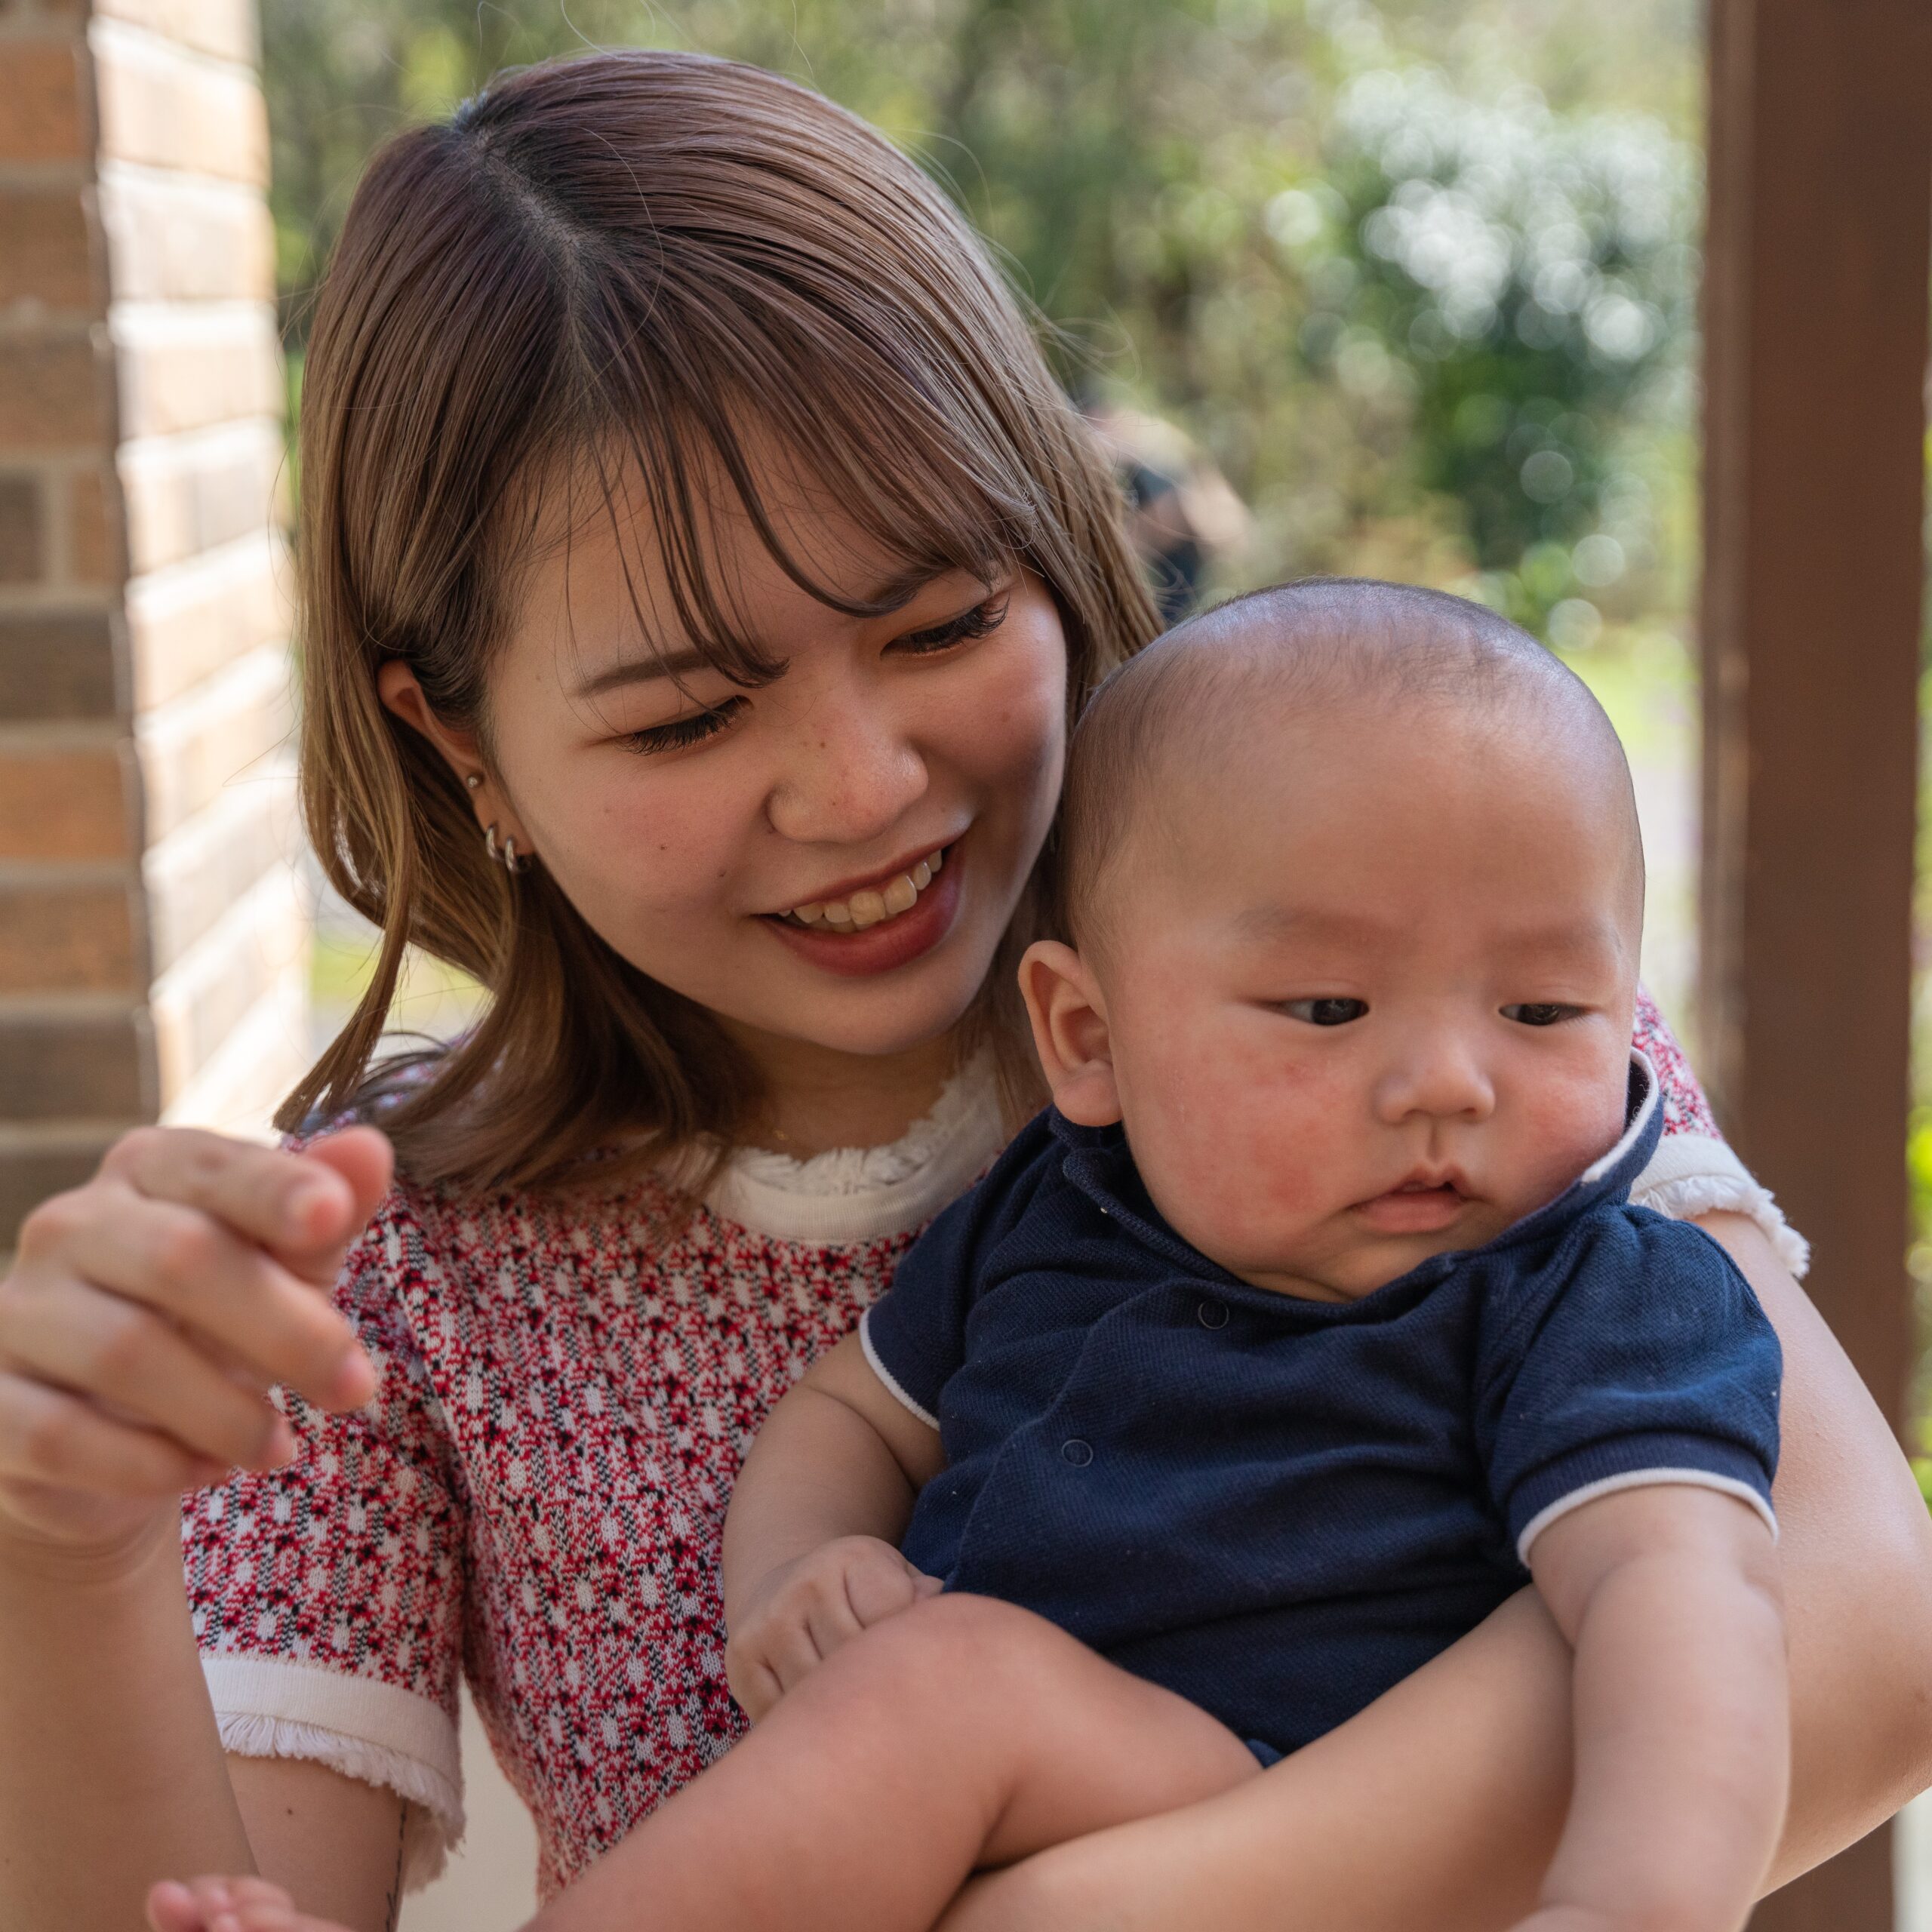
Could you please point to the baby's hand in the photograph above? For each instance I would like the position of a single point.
(804, 1611)
(229, 1905)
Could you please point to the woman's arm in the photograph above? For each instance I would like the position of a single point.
(138, 1336)
(114, 1775)
(330, 1840)
(1441, 1804)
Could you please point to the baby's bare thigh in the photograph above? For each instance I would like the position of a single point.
(1081, 1744)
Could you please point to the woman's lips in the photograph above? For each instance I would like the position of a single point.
(1413, 1210)
(894, 942)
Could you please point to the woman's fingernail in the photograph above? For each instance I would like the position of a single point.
(303, 1204)
(354, 1381)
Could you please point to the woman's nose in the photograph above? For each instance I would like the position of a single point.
(849, 773)
(1437, 1076)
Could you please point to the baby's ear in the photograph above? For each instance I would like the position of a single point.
(1070, 1032)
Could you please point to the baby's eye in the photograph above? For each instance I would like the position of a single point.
(1540, 1013)
(1325, 1012)
(683, 731)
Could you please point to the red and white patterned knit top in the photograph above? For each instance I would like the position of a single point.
(533, 1498)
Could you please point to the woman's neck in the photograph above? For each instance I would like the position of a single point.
(817, 1098)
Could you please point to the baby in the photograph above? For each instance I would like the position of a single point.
(1308, 1322)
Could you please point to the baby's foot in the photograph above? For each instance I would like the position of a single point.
(229, 1905)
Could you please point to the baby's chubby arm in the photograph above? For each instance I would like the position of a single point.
(810, 1554)
(1670, 1598)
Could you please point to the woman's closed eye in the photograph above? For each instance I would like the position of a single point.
(682, 732)
(1540, 1013)
(981, 621)
(1326, 1011)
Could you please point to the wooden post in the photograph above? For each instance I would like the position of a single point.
(1816, 346)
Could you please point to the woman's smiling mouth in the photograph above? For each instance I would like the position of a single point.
(868, 906)
(876, 928)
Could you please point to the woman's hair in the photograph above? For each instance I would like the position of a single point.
(602, 282)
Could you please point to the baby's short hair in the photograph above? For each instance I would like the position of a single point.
(1322, 641)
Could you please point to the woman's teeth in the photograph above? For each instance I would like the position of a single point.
(867, 908)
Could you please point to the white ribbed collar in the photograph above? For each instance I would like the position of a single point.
(859, 1193)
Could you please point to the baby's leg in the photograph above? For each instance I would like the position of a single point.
(961, 1732)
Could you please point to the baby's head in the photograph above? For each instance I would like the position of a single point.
(1357, 890)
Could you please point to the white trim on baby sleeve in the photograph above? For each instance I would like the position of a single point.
(1639, 1479)
(363, 1728)
(885, 1374)
(1693, 1174)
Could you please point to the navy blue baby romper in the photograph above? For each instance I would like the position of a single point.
(1279, 1508)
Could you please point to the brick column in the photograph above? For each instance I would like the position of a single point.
(151, 937)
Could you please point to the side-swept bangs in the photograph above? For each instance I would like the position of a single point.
(655, 273)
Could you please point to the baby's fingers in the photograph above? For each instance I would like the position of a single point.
(228, 1904)
(882, 1588)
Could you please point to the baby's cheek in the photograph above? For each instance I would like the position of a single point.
(1242, 1160)
(1561, 1134)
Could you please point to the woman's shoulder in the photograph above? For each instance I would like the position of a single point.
(1685, 1109)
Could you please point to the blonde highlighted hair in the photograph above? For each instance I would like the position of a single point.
(606, 277)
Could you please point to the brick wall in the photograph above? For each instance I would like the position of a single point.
(152, 933)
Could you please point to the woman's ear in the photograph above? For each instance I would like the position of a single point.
(396, 685)
(1070, 1032)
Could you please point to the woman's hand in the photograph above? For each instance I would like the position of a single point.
(229, 1905)
(805, 1610)
(149, 1311)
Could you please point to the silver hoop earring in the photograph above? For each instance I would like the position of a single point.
(507, 852)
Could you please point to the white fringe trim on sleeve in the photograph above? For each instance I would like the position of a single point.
(1692, 1174)
(363, 1729)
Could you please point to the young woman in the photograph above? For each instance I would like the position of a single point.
(700, 568)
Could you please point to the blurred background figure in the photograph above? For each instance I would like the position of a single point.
(1187, 521)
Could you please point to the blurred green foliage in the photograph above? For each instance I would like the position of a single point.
(1417, 278)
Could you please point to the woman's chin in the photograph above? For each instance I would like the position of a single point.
(880, 1018)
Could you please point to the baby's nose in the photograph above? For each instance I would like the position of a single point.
(1437, 1077)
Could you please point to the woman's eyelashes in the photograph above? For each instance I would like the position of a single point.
(981, 621)
(680, 734)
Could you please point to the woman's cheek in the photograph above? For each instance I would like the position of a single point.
(645, 859)
(1012, 724)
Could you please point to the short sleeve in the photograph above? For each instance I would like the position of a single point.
(1694, 1170)
(327, 1596)
(915, 1335)
(1648, 1362)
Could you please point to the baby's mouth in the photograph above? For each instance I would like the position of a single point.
(871, 907)
(1421, 1204)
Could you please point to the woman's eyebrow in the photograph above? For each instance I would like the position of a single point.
(644, 671)
(893, 594)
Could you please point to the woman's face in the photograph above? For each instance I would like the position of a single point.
(688, 819)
